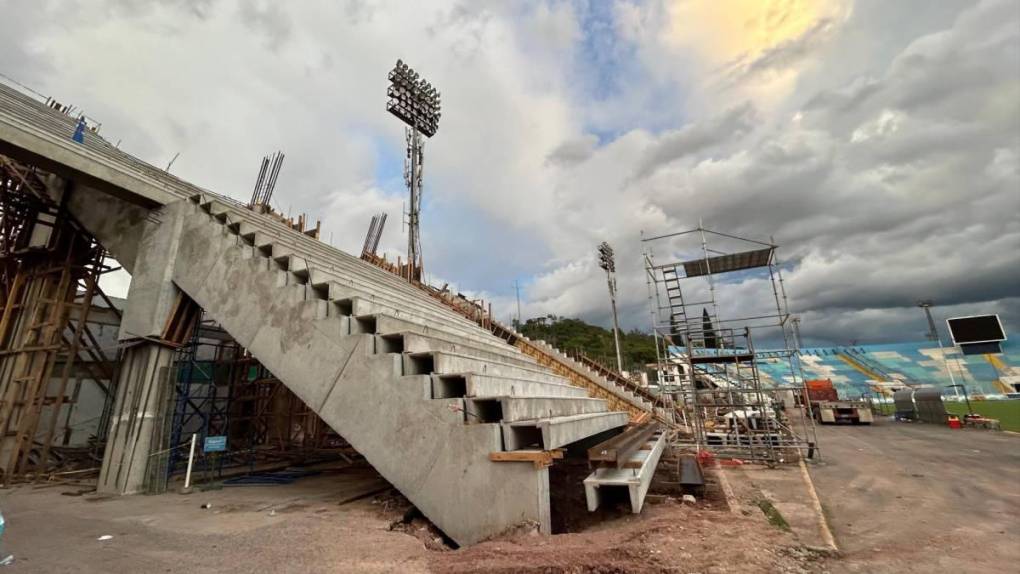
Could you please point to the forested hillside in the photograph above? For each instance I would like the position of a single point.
(637, 348)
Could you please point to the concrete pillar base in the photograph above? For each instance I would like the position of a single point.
(142, 386)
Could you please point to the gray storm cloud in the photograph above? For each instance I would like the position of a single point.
(887, 166)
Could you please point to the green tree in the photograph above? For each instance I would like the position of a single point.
(637, 348)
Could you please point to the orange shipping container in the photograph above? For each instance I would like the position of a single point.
(821, 390)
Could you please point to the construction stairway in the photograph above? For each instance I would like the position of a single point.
(424, 394)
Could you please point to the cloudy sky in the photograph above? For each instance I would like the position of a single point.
(878, 142)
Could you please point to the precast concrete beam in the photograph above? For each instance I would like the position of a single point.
(513, 409)
(475, 385)
(636, 478)
(418, 343)
(551, 433)
(444, 362)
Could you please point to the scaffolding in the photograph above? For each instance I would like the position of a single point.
(202, 375)
(220, 390)
(707, 361)
(49, 280)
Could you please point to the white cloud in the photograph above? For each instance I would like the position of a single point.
(882, 158)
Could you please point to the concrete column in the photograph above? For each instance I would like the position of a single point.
(152, 294)
(142, 386)
(117, 224)
(143, 382)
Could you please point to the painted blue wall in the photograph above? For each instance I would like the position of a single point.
(905, 363)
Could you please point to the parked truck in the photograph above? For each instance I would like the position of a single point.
(827, 407)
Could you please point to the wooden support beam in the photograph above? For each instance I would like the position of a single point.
(540, 458)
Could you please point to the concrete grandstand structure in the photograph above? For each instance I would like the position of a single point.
(431, 399)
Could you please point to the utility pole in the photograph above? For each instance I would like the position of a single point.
(417, 103)
(517, 289)
(608, 263)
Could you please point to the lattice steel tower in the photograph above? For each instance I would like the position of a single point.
(416, 102)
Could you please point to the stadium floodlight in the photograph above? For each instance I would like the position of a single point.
(607, 262)
(416, 103)
(413, 99)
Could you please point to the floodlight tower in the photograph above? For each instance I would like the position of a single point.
(933, 335)
(416, 102)
(608, 263)
(927, 304)
(796, 331)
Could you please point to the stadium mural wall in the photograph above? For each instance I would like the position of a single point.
(878, 370)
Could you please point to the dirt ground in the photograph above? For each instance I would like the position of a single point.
(913, 497)
(313, 525)
(899, 498)
(669, 537)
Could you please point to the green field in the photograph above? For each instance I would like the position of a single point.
(1008, 412)
(887, 409)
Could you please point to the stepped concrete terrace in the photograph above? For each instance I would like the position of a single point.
(424, 394)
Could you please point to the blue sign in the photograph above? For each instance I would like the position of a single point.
(215, 444)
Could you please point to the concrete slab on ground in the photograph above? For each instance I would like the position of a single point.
(914, 497)
(788, 489)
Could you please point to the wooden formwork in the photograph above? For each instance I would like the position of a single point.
(50, 273)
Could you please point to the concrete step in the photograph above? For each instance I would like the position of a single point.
(333, 286)
(451, 363)
(276, 245)
(290, 271)
(418, 343)
(358, 316)
(261, 230)
(386, 324)
(359, 306)
(475, 385)
(513, 409)
(550, 433)
(599, 380)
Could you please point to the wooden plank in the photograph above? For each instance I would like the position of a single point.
(525, 455)
(539, 458)
(517, 456)
(69, 362)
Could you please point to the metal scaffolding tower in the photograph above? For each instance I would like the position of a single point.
(708, 362)
(202, 374)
